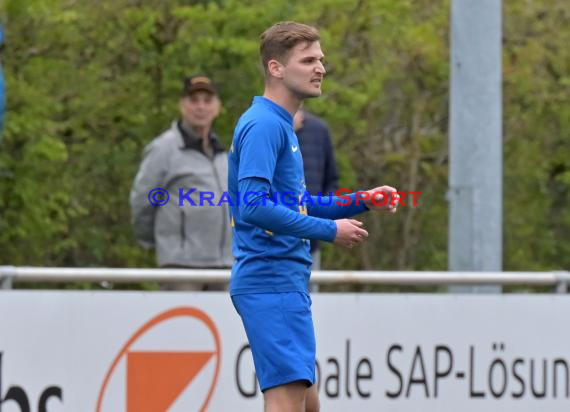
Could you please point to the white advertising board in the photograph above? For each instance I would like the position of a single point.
(170, 351)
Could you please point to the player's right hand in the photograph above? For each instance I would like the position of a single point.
(349, 232)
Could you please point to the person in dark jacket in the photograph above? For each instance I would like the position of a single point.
(188, 157)
(321, 174)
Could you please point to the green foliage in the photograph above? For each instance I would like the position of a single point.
(537, 137)
(90, 83)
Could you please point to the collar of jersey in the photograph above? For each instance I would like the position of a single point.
(274, 107)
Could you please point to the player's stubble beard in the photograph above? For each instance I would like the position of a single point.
(305, 94)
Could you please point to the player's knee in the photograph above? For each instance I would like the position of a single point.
(313, 406)
(312, 403)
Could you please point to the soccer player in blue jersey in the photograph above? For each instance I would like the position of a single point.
(273, 219)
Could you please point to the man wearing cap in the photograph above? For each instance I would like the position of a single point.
(188, 162)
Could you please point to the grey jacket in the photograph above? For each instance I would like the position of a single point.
(191, 236)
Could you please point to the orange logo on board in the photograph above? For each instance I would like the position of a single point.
(144, 377)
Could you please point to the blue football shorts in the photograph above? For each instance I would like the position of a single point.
(279, 327)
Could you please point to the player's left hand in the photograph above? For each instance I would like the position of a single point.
(383, 198)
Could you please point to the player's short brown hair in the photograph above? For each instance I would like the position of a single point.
(278, 40)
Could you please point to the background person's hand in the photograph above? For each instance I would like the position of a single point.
(349, 232)
(385, 198)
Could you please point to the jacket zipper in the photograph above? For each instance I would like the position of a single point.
(223, 208)
(182, 229)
